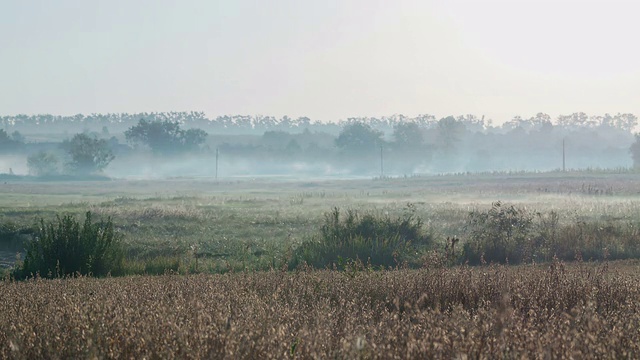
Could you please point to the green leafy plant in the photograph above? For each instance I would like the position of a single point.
(67, 247)
(165, 137)
(379, 240)
(87, 154)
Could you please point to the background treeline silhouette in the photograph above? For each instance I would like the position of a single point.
(257, 124)
(406, 145)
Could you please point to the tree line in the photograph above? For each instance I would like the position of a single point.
(258, 124)
(422, 144)
(87, 154)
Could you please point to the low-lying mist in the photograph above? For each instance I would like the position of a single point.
(14, 164)
(150, 167)
(146, 166)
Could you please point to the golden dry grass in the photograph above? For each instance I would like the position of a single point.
(532, 311)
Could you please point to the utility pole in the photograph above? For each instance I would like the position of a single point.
(564, 169)
(217, 153)
(381, 164)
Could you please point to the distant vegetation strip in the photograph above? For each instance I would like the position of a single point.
(504, 233)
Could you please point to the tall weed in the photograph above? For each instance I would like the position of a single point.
(67, 247)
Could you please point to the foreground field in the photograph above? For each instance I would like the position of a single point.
(531, 311)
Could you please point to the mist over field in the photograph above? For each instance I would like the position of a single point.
(148, 167)
(170, 145)
(16, 164)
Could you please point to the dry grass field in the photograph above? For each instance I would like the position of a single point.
(487, 312)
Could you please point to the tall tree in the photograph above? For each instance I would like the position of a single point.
(87, 154)
(165, 137)
(9, 143)
(450, 132)
(575, 121)
(407, 135)
(359, 138)
(626, 122)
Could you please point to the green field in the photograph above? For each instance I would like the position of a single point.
(255, 223)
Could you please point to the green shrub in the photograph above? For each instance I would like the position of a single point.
(66, 247)
(501, 234)
(379, 240)
(507, 233)
(598, 240)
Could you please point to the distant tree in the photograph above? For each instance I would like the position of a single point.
(160, 136)
(17, 137)
(264, 122)
(303, 122)
(407, 135)
(359, 138)
(293, 147)
(425, 120)
(575, 121)
(472, 123)
(87, 154)
(606, 120)
(542, 122)
(4, 137)
(8, 143)
(42, 163)
(165, 137)
(517, 122)
(450, 132)
(626, 122)
(275, 138)
(286, 123)
(193, 138)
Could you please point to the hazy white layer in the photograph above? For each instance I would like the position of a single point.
(324, 59)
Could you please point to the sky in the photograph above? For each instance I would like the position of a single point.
(327, 60)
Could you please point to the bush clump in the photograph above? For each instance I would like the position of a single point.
(67, 247)
(510, 234)
(375, 239)
(501, 234)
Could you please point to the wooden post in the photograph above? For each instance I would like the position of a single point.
(381, 164)
(563, 158)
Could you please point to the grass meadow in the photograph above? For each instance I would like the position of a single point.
(213, 269)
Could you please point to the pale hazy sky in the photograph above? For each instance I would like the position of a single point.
(328, 59)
